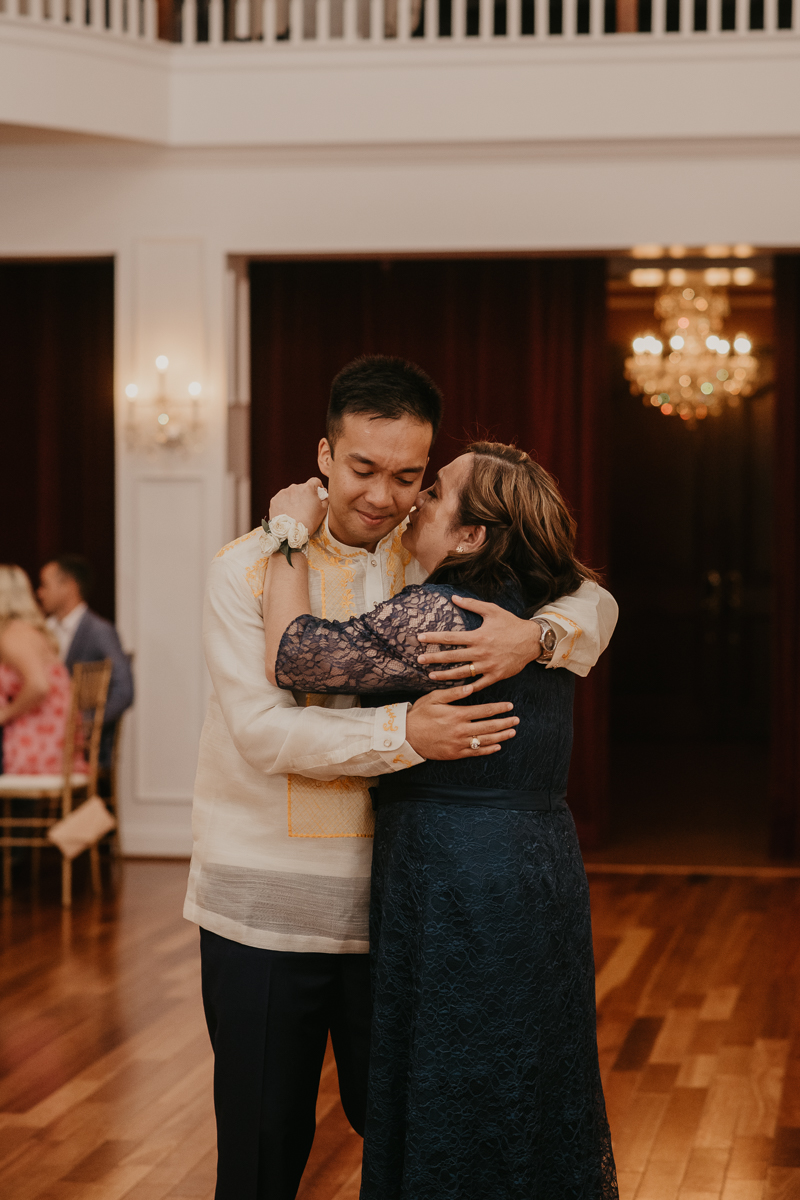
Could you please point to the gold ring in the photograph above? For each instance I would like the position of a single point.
(475, 744)
(472, 672)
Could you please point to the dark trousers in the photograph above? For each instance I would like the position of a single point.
(268, 1014)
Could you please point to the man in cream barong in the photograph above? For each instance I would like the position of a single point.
(279, 881)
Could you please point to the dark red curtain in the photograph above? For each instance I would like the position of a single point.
(56, 398)
(518, 347)
(785, 781)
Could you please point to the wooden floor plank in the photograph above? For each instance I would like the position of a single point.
(105, 1066)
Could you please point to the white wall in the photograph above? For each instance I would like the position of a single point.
(171, 519)
(172, 217)
(389, 93)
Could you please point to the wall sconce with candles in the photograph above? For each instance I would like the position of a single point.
(164, 423)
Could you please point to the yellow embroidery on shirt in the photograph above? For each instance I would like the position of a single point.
(328, 808)
(400, 761)
(333, 808)
(336, 577)
(339, 807)
(256, 574)
(397, 559)
(244, 538)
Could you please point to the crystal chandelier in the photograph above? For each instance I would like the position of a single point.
(699, 372)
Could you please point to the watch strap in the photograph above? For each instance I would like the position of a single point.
(548, 641)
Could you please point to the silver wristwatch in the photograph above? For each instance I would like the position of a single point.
(548, 640)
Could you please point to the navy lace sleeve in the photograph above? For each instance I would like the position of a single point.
(374, 653)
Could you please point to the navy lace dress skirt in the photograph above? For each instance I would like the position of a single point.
(484, 1082)
(484, 1079)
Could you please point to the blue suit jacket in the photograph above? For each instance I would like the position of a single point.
(95, 639)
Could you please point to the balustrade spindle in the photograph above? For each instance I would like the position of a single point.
(796, 16)
(458, 20)
(403, 20)
(742, 16)
(132, 18)
(486, 20)
(116, 16)
(542, 19)
(35, 11)
(268, 17)
(150, 18)
(56, 11)
(215, 22)
(350, 21)
(597, 18)
(569, 19)
(770, 16)
(375, 20)
(323, 21)
(189, 22)
(431, 20)
(658, 20)
(295, 20)
(714, 17)
(513, 20)
(687, 18)
(241, 20)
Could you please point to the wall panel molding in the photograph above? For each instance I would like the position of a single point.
(170, 576)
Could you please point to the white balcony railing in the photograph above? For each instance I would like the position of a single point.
(133, 19)
(278, 23)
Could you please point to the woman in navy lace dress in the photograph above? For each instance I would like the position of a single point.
(484, 1078)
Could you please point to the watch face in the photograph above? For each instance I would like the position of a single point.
(549, 641)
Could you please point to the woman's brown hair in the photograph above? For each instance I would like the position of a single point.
(530, 533)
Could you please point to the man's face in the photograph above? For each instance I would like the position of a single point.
(56, 591)
(374, 474)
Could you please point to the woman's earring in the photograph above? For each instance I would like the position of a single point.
(459, 549)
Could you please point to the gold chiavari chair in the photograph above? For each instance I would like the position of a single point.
(109, 780)
(54, 795)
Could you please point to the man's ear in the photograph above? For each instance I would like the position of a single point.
(324, 457)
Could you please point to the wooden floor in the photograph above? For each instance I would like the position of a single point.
(105, 1069)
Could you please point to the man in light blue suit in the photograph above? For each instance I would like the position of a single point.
(83, 636)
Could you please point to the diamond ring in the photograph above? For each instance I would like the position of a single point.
(472, 670)
(475, 744)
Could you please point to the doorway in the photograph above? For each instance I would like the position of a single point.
(518, 346)
(691, 566)
(57, 395)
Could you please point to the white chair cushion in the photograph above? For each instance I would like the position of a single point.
(18, 785)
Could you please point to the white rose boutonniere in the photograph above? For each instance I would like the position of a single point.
(284, 534)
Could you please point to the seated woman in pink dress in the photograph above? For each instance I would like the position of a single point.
(34, 685)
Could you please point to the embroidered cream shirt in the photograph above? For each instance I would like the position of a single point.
(282, 818)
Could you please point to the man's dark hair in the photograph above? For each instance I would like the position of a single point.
(79, 569)
(380, 386)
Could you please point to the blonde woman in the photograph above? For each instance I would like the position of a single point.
(34, 685)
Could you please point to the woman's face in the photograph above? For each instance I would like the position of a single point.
(432, 531)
